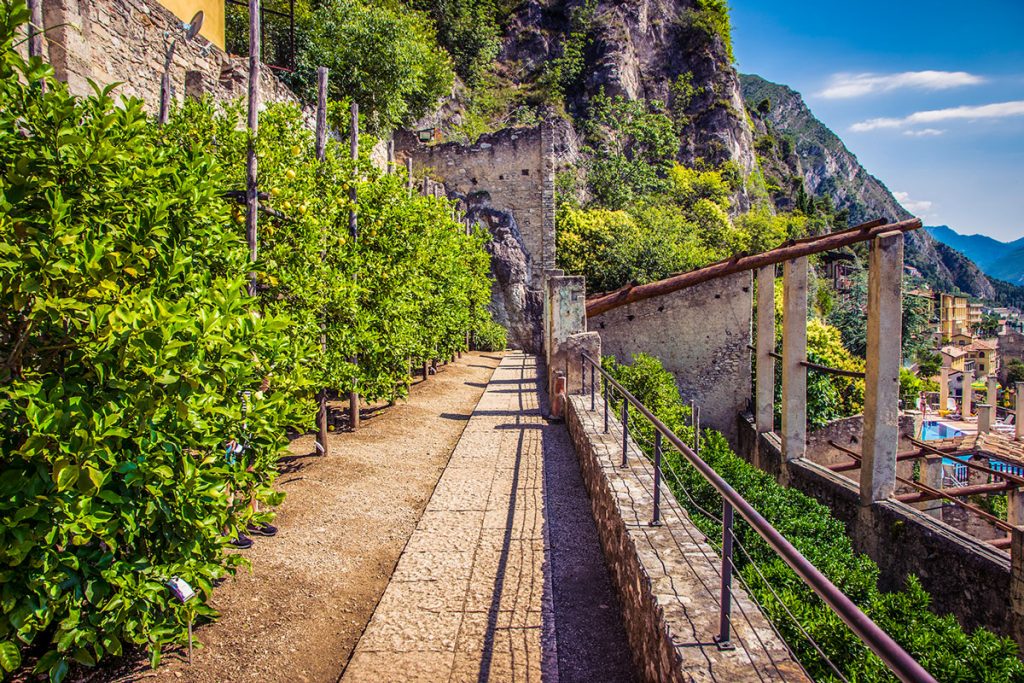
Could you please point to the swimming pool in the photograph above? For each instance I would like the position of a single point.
(932, 430)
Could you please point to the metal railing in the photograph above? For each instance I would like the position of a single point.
(902, 665)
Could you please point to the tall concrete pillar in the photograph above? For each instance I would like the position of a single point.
(1015, 507)
(566, 336)
(984, 418)
(968, 395)
(882, 371)
(931, 475)
(1018, 415)
(992, 391)
(764, 399)
(944, 388)
(794, 353)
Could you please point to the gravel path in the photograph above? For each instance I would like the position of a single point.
(298, 614)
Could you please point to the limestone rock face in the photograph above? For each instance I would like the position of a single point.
(514, 304)
(638, 49)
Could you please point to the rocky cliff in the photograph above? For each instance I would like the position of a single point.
(663, 50)
(799, 149)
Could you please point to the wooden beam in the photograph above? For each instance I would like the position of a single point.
(602, 303)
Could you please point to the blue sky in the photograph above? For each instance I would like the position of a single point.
(928, 95)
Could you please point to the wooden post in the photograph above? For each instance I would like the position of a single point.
(321, 112)
(251, 186)
(408, 177)
(764, 403)
(323, 445)
(882, 370)
(794, 353)
(391, 156)
(353, 230)
(35, 33)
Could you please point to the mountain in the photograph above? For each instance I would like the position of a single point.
(1003, 260)
(800, 153)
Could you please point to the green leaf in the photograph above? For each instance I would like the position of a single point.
(10, 656)
(67, 477)
(59, 671)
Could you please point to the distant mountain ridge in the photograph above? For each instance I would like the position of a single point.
(796, 148)
(1003, 260)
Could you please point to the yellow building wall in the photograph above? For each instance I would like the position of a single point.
(213, 16)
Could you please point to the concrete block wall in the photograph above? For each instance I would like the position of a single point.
(701, 334)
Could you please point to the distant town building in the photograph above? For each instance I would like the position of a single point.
(954, 315)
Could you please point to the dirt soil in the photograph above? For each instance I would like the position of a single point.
(296, 616)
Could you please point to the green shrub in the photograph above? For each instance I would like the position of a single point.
(937, 642)
(490, 337)
(126, 336)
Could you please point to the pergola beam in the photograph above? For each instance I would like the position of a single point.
(602, 303)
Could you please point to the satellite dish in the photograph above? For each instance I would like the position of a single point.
(193, 26)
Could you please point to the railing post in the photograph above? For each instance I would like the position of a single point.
(583, 374)
(696, 429)
(593, 389)
(625, 431)
(764, 405)
(723, 639)
(656, 519)
(794, 353)
(607, 396)
(882, 370)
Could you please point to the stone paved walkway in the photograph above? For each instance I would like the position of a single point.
(487, 588)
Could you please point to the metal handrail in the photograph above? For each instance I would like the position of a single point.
(902, 665)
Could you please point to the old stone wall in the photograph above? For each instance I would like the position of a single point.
(966, 577)
(123, 41)
(1010, 346)
(666, 575)
(849, 433)
(506, 180)
(701, 334)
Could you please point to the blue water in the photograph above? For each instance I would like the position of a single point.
(933, 431)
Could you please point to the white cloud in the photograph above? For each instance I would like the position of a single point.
(914, 206)
(996, 110)
(844, 85)
(924, 133)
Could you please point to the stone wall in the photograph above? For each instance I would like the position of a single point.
(666, 576)
(122, 41)
(965, 576)
(506, 180)
(701, 334)
(1010, 346)
(849, 433)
